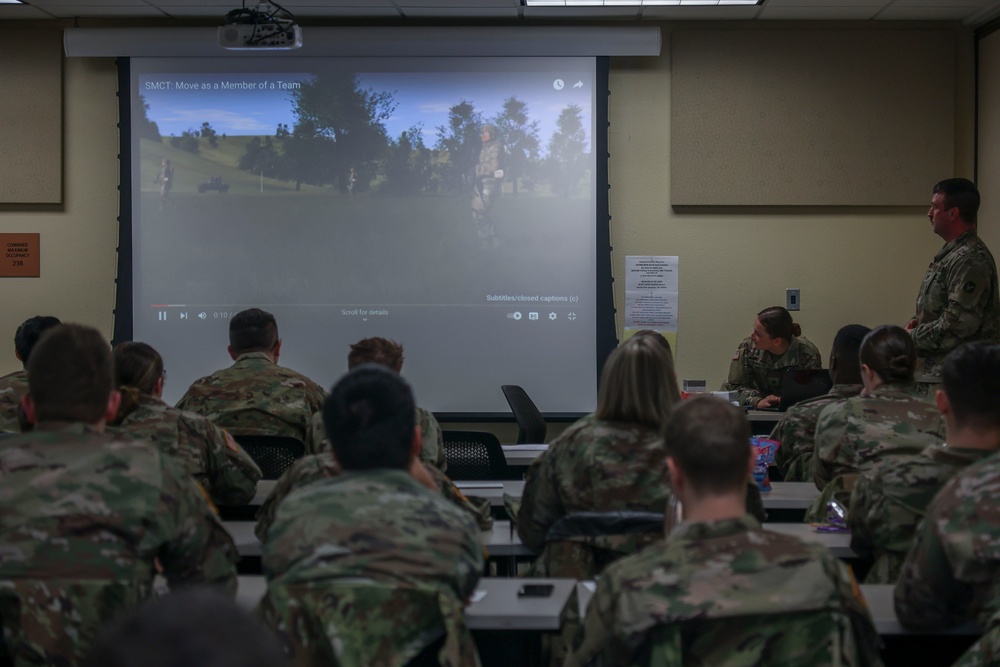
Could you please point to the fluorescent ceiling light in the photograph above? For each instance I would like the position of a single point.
(11, 2)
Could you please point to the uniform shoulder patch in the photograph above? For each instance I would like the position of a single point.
(970, 287)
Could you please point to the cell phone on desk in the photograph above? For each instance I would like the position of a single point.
(535, 591)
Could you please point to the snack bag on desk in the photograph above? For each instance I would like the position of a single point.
(763, 456)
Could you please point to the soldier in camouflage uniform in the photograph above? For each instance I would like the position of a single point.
(388, 353)
(256, 396)
(15, 385)
(610, 461)
(889, 500)
(209, 453)
(721, 590)
(775, 344)
(87, 521)
(489, 178)
(959, 300)
(369, 566)
(952, 574)
(315, 467)
(797, 427)
(890, 417)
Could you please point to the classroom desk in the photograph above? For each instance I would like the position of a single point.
(499, 609)
(839, 544)
(783, 495)
(501, 541)
(523, 455)
(768, 416)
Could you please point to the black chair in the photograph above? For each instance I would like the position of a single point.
(273, 454)
(530, 423)
(474, 455)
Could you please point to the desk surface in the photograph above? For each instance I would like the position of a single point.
(500, 541)
(499, 609)
(783, 495)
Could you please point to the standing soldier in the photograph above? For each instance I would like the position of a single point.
(489, 178)
(165, 179)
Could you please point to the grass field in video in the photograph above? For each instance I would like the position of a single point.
(319, 246)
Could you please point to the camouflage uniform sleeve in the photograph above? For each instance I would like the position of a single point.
(865, 636)
(597, 644)
(927, 595)
(740, 379)
(968, 285)
(433, 450)
(306, 470)
(194, 546)
(861, 517)
(315, 397)
(233, 475)
(316, 441)
(830, 450)
(541, 505)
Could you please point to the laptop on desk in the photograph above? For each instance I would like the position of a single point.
(799, 384)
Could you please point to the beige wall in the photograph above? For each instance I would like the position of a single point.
(851, 265)
(989, 139)
(78, 239)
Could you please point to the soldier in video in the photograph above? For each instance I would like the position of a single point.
(165, 179)
(489, 179)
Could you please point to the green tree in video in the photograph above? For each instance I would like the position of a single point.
(408, 164)
(188, 141)
(146, 128)
(520, 138)
(566, 163)
(261, 157)
(460, 141)
(306, 154)
(209, 134)
(347, 122)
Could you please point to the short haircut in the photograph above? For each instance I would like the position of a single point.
(196, 626)
(638, 384)
(847, 348)
(253, 330)
(70, 375)
(889, 351)
(709, 438)
(29, 332)
(960, 193)
(777, 322)
(971, 379)
(376, 351)
(369, 419)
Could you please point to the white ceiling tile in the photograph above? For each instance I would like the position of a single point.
(925, 13)
(808, 4)
(103, 11)
(693, 12)
(22, 12)
(459, 4)
(473, 12)
(818, 13)
(622, 11)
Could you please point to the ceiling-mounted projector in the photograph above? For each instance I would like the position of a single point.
(267, 26)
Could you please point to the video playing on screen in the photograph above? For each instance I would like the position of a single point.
(448, 204)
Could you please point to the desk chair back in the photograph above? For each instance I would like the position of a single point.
(582, 544)
(474, 455)
(368, 623)
(530, 423)
(273, 454)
